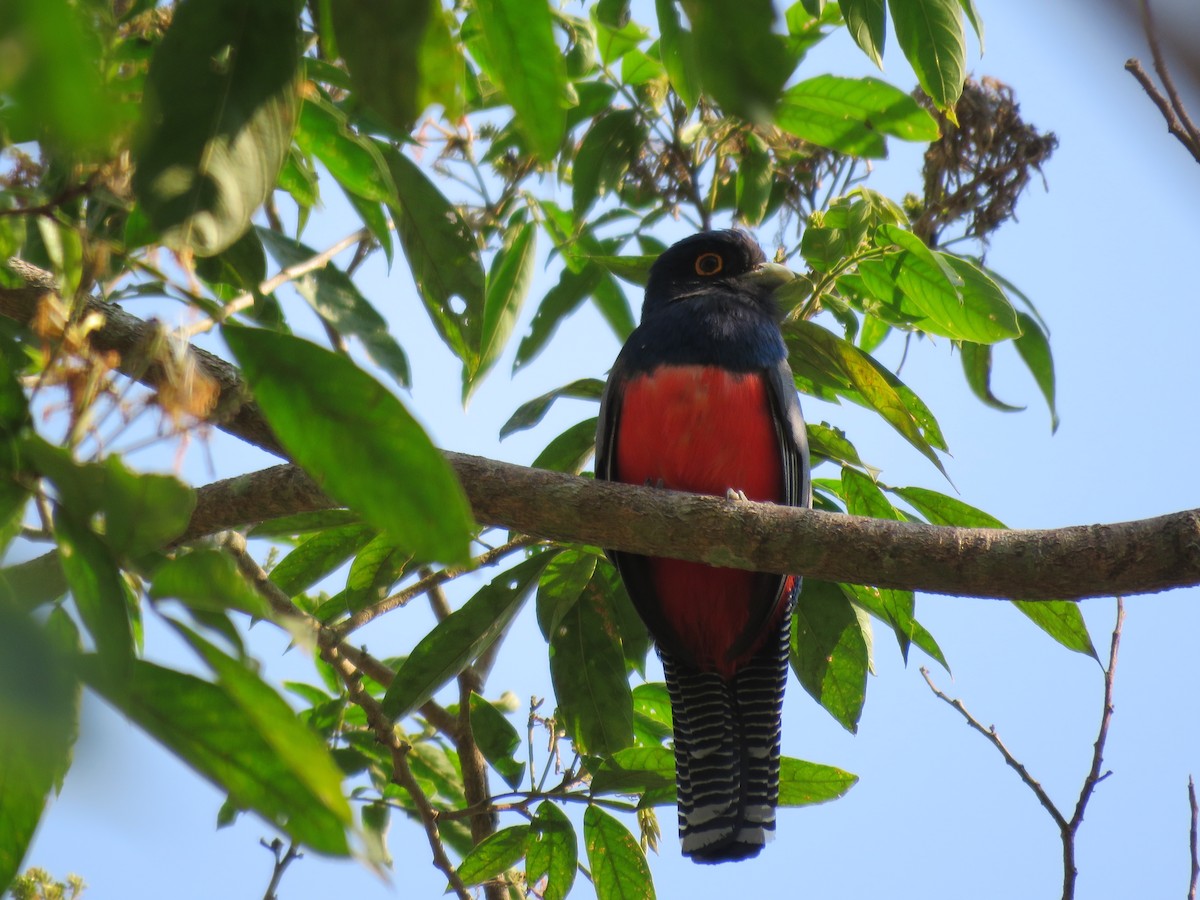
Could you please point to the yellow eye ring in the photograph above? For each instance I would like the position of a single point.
(709, 264)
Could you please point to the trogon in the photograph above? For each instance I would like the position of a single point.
(701, 399)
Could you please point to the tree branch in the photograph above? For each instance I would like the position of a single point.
(1066, 563)
(1192, 838)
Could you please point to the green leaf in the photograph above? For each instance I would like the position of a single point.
(930, 32)
(572, 289)
(974, 18)
(377, 567)
(507, 284)
(462, 636)
(494, 855)
(354, 160)
(207, 580)
(649, 771)
(634, 269)
(552, 851)
(831, 650)
(35, 582)
(497, 740)
(54, 86)
(336, 299)
(401, 57)
(652, 713)
(851, 115)
(607, 151)
(804, 783)
(570, 450)
(677, 48)
(98, 590)
(442, 254)
(1034, 347)
(814, 349)
(300, 750)
(746, 64)
(984, 300)
(531, 412)
(369, 452)
(754, 180)
(1061, 619)
(977, 366)
(304, 523)
(619, 868)
(560, 586)
(526, 63)
(142, 512)
(867, 24)
(39, 709)
(587, 668)
(218, 112)
(319, 555)
(203, 725)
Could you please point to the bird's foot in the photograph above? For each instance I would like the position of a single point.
(658, 483)
(733, 495)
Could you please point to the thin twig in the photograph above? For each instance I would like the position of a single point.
(1094, 776)
(290, 273)
(434, 713)
(1170, 105)
(385, 733)
(1193, 842)
(990, 733)
(283, 859)
(429, 581)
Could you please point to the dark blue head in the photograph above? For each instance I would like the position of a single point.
(725, 263)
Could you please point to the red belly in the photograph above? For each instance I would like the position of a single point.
(704, 430)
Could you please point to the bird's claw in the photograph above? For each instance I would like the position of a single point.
(733, 495)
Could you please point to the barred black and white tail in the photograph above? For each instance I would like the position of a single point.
(727, 751)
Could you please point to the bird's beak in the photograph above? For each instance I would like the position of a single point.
(769, 276)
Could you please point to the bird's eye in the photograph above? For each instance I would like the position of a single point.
(709, 263)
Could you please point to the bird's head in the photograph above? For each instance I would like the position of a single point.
(710, 264)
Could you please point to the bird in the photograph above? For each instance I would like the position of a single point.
(701, 399)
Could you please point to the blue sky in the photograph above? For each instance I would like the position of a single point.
(1108, 254)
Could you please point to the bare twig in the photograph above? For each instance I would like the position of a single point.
(1168, 101)
(1094, 776)
(1068, 829)
(290, 273)
(283, 859)
(432, 580)
(1192, 839)
(990, 733)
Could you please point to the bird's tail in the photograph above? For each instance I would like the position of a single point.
(727, 751)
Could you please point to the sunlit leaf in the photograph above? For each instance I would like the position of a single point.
(319, 555)
(1034, 348)
(619, 868)
(852, 115)
(804, 783)
(552, 851)
(677, 48)
(98, 590)
(977, 366)
(354, 160)
(569, 451)
(494, 855)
